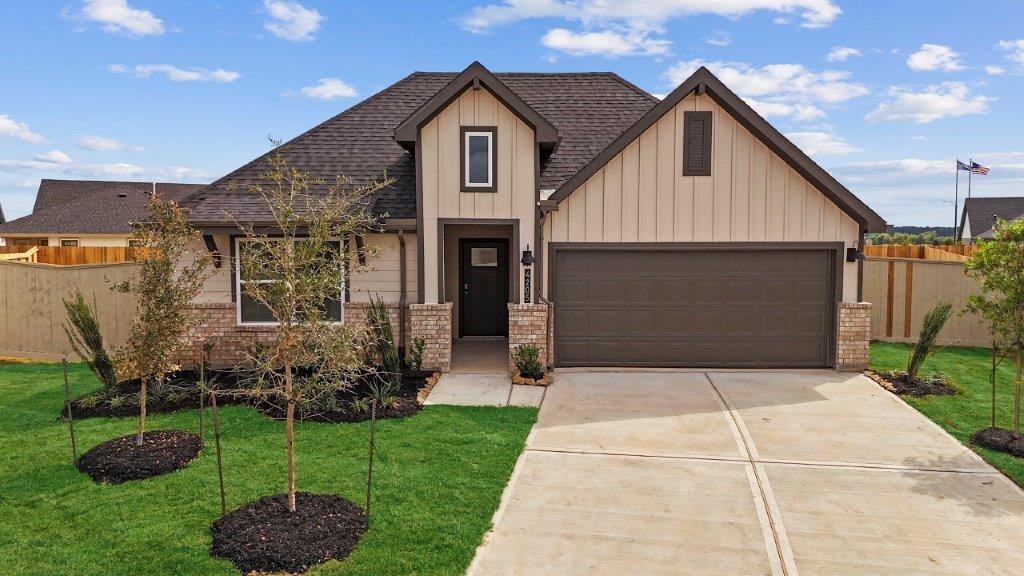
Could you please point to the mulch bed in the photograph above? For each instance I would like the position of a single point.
(900, 383)
(406, 404)
(263, 536)
(119, 460)
(1000, 439)
(186, 380)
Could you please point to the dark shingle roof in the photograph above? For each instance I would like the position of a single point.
(91, 206)
(589, 109)
(980, 212)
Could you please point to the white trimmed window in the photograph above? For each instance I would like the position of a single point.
(69, 241)
(478, 159)
(250, 311)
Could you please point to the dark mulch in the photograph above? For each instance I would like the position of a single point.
(263, 536)
(181, 393)
(119, 460)
(930, 385)
(1000, 439)
(344, 411)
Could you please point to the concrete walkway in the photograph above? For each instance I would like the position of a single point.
(735, 473)
(468, 389)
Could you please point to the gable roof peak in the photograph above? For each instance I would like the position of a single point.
(476, 75)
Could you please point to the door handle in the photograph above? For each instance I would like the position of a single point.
(465, 288)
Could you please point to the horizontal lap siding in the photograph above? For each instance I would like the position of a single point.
(752, 195)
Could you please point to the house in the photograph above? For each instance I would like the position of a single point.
(87, 212)
(578, 213)
(980, 214)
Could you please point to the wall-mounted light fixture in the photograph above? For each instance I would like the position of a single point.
(528, 259)
(854, 254)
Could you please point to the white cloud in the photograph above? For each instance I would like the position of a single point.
(935, 57)
(842, 54)
(995, 70)
(641, 14)
(947, 100)
(659, 96)
(822, 143)
(118, 17)
(101, 143)
(291, 20)
(780, 90)
(54, 156)
(176, 74)
(328, 89)
(106, 170)
(606, 43)
(719, 39)
(1014, 50)
(11, 128)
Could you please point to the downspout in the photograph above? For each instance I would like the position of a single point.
(540, 290)
(860, 269)
(401, 291)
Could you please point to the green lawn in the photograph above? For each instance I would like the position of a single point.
(963, 414)
(438, 476)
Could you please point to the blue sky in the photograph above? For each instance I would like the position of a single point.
(884, 95)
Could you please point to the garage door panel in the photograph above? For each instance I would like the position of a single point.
(623, 305)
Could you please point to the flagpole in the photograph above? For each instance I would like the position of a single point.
(970, 163)
(956, 205)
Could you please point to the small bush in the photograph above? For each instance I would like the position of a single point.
(383, 351)
(527, 360)
(83, 332)
(931, 326)
(414, 359)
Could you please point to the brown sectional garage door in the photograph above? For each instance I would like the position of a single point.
(618, 305)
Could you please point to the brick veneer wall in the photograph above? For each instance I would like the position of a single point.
(433, 323)
(231, 341)
(853, 336)
(528, 324)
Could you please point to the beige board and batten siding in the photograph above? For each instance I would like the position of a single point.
(752, 195)
(515, 195)
(379, 277)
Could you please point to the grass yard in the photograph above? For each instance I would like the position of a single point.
(438, 477)
(963, 414)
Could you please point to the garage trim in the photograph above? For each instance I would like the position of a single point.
(837, 249)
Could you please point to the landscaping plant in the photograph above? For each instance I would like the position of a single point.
(931, 326)
(383, 352)
(170, 276)
(83, 331)
(414, 358)
(526, 358)
(296, 272)
(999, 266)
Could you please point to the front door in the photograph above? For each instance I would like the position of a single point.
(483, 281)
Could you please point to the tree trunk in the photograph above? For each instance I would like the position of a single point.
(1016, 391)
(142, 410)
(289, 435)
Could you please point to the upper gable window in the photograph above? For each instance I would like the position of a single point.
(479, 158)
(697, 143)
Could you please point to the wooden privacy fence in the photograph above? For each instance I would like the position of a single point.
(903, 290)
(73, 255)
(945, 252)
(32, 312)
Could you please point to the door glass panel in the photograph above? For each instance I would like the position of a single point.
(483, 257)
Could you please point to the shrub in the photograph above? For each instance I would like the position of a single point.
(383, 351)
(932, 324)
(414, 359)
(83, 332)
(527, 360)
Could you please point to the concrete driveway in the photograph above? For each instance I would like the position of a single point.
(734, 473)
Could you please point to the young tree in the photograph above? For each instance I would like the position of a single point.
(931, 326)
(999, 265)
(172, 273)
(296, 272)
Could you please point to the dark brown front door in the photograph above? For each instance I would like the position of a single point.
(483, 284)
(618, 305)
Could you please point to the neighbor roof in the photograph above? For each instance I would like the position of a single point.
(588, 110)
(91, 206)
(982, 213)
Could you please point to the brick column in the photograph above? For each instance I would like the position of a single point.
(528, 324)
(853, 335)
(433, 323)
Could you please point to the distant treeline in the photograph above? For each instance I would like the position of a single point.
(926, 235)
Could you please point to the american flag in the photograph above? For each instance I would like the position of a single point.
(978, 169)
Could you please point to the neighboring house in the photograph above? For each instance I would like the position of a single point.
(680, 232)
(87, 212)
(979, 215)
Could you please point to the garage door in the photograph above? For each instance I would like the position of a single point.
(625, 306)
